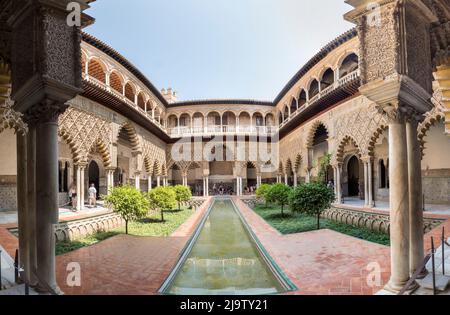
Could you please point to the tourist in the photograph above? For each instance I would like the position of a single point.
(73, 197)
(92, 196)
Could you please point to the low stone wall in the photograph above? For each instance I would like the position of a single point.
(73, 230)
(374, 221)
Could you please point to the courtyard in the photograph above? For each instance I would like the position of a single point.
(334, 182)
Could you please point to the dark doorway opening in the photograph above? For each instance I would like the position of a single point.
(353, 177)
(94, 176)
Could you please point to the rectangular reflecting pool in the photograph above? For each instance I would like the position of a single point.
(224, 257)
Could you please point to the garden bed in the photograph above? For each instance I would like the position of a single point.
(292, 223)
(148, 227)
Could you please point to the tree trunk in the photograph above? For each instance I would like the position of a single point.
(126, 227)
(318, 221)
(162, 215)
(282, 212)
(179, 206)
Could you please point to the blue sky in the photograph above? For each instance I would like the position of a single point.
(207, 49)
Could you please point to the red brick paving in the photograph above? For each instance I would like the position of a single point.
(125, 265)
(8, 241)
(319, 262)
(322, 262)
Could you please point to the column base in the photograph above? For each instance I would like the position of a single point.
(396, 288)
(44, 291)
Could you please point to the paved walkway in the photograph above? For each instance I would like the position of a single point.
(322, 262)
(319, 262)
(125, 265)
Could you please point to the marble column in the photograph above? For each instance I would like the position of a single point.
(47, 210)
(339, 184)
(158, 181)
(149, 187)
(286, 179)
(335, 179)
(78, 182)
(207, 186)
(83, 188)
(370, 180)
(137, 181)
(295, 180)
(366, 183)
(26, 205)
(399, 203)
(416, 226)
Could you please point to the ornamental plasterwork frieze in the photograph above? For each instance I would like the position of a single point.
(86, 131)
(360, 125)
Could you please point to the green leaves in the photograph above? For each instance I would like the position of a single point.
(129, 203)
(162, 198)
(182, 194)
(262, 192)
(279, 194)
(311, 199)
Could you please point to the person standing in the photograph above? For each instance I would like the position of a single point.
(92, 196)
(73, 196)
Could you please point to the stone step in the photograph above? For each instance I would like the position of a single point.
(7, 270)
(442, 282)
(17, 290)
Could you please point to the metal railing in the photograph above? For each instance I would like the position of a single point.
(422, 268)
(19, 276)
(337, 84)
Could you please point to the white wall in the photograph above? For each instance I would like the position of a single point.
(437, 149)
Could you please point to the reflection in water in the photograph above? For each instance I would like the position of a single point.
(224, 259)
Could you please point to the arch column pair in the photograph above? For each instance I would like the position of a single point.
(337, 169)
(368, 182)
(109, 179)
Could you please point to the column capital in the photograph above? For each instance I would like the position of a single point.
(367, 159)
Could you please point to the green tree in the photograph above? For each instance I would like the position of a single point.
(162, 199)
(323, 168)
(312, 199)
(262, 192)
(129, 203)
(279, 194)
(182, 194)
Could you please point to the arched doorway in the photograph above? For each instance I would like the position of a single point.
(94, 176)
(353, 177)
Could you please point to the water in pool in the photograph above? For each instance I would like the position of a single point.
(224, 260)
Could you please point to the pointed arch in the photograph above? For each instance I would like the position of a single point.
(312, 132)
(132, 135)
(148, 165)
(74, 147)
(288, 169)
(298, 163)
(103, 149)
(434, 117)
(374, 139)
(341, 148)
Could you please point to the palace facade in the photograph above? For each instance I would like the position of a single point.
(374, 101)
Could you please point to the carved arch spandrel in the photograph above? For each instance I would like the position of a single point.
(361, 125)
(83, 131)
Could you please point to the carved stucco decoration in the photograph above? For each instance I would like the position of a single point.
(85, 133)
(10, 119)
(360, 125)
(431, 118)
